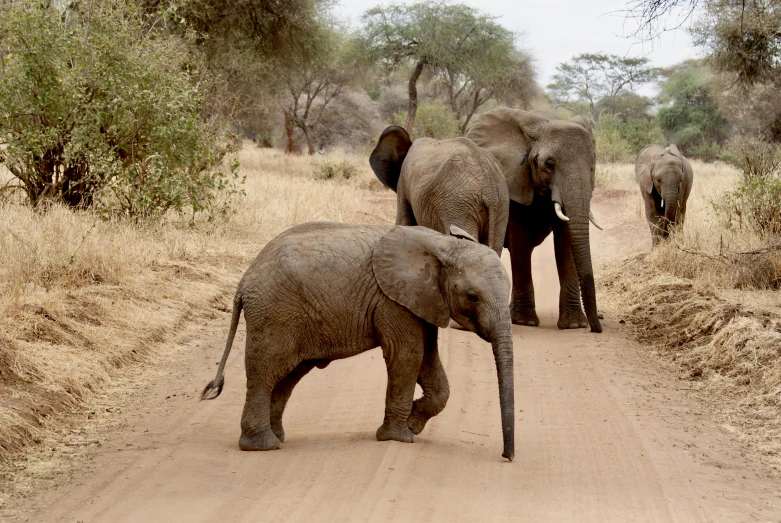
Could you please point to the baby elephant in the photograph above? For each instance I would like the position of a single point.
(440, 183)
(665, 179)
(324, 291)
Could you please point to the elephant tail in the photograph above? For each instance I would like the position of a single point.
(214, 388)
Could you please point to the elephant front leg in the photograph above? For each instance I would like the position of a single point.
(522, 308)
(433, 381)
(571, 314)
(403, 357)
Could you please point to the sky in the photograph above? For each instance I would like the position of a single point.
(554, 31)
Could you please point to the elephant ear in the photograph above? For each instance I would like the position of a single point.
(389, 154)
(587, 126)
(407, 266)
(508, 134)
(688, 178)
(461, 234)
(644, 166)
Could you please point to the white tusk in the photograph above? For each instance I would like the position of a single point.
(561, 215)
(594, 221)
(662, 203)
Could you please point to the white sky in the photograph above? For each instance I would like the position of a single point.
(556, 30)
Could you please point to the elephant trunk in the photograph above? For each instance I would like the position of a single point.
(670, 209)
(502, 344)
(581, 251)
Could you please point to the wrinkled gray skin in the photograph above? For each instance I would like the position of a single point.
(440, 183)
(665, 177)
(325, 291)
(546, 161)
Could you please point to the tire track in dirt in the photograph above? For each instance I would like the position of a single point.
(602, 435)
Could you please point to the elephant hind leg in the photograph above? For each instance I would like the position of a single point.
(433, 381)
(282, 391)
(265, 369)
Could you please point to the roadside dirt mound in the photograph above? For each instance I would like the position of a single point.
(730, 352)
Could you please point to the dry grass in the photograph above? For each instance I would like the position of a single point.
(82, 300)
(700, 305)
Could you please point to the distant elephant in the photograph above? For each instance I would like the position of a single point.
(440, 183)
(665, 178)
(324, 291)
(548, 166)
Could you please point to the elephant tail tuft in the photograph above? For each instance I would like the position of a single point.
(213, 390)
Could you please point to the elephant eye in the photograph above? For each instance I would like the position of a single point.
(472, 296)
(549, 164)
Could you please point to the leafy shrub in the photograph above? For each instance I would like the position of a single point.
(620, 141)
(433, 119)
(97, 109)
(326, 170)
(706, 151)
(611, 146)
(756, 202)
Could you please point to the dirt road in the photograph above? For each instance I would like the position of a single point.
(603, 434)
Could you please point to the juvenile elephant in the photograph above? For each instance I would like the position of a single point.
(325, 291)
(548, 165)
(665, 178)
(440, 183)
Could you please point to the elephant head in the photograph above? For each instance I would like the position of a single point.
(389, 154)
(670, 174)
(438, 277)
(554, 159)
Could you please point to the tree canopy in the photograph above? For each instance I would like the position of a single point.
(473, 56)
(597, 80)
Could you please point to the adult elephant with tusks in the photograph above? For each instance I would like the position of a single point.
(549, 167)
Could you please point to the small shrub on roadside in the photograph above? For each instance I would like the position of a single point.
(756, 202)
(328, 170)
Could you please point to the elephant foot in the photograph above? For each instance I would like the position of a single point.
(455, 325)
(266, 440)
(524, 317)
(401, 433)
(572, 320)
(417, 419)
(278, 431)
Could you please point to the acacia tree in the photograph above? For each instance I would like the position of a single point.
(313, 81)
(597, 80)
(454, 42)
(503, 74)
(743, 37)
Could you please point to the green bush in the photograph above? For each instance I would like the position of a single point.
(756, 202)
(433, 119)
(326, 170)
(611, 146)
(706, 151)
(620, 141)
(96, 109)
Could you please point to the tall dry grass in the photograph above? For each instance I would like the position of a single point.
(81, 298)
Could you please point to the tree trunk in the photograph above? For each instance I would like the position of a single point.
(412, 90)
(310, 144)
(291, 147)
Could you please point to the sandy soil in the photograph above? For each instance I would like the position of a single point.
(602, 434)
